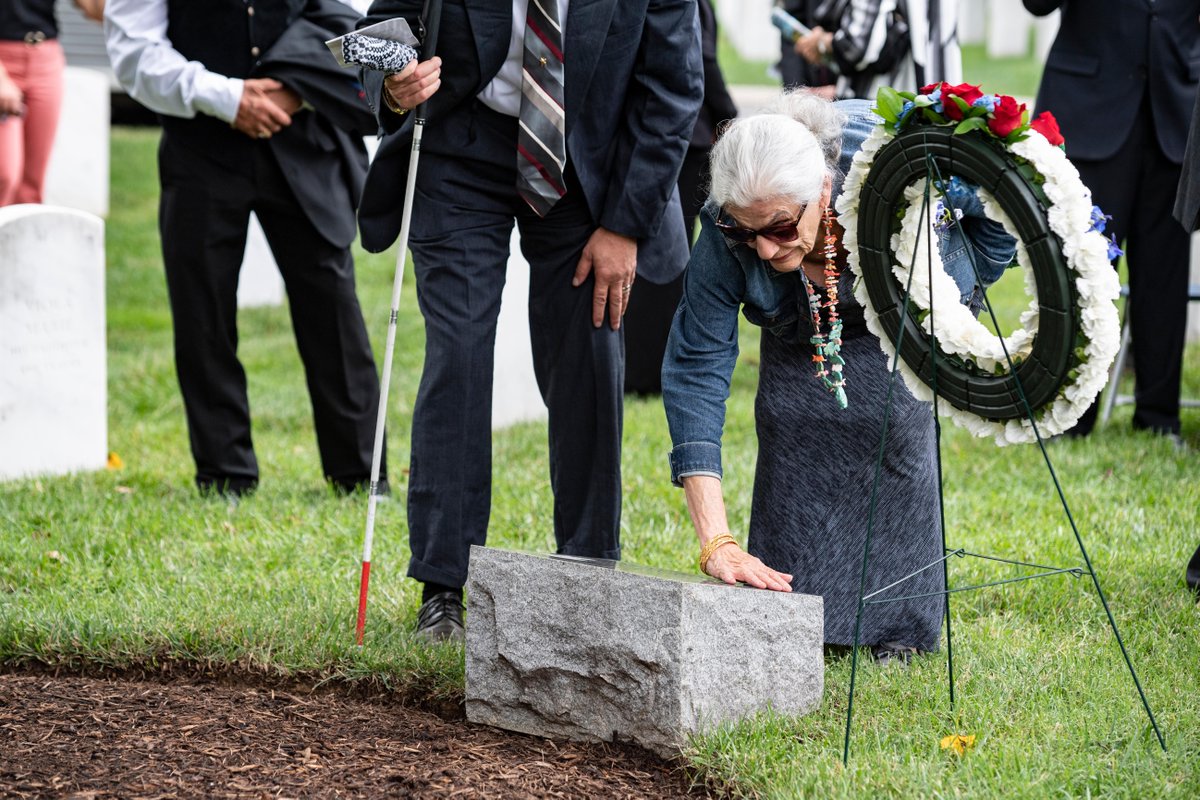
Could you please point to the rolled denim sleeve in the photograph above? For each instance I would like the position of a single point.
(992, 248)
(702, 350)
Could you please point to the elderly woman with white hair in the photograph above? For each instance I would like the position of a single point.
(770, 247)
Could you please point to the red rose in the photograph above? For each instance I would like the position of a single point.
(1047, 126)
(1007, 116)
(930, 89)
(965, 92)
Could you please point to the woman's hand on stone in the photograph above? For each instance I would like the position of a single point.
(731, 564)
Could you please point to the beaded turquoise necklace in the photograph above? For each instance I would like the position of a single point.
(827, 347)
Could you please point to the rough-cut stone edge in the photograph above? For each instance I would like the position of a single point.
(654, 732)
(740, 687)
(690, 596)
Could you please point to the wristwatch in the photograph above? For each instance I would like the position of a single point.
(390, 102)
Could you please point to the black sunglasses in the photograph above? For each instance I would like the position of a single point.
(779, 232)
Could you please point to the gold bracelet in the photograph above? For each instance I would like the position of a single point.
(712, 546)
(391, 103)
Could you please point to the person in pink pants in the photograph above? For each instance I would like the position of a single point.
(31, 92)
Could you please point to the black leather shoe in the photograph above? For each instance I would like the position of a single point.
(1192, 576)
(893, 653)
(344, 487)
(231, 489)
(440, 619)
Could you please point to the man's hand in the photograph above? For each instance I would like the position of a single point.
(815, 46)
(287, 99)
(258, 116)
(12, 101)
(414, 84)
(613, 259)
(92, 9)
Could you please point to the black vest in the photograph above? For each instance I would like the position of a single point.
(228, 37)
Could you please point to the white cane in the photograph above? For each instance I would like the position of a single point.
(432, 16)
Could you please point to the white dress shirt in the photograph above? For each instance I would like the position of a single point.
(156, 74)
(503, 93)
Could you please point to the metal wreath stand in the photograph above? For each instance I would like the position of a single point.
(1028, 384)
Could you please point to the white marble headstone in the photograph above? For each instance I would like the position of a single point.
(77, 176)
(259, 283)
(1193, 325)
(747, 24)
(515, 395)
(1008, 26)
(53, 373)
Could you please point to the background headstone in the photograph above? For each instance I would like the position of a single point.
(515, 393)
(747, 25)
(1008, 26)
(601, 651)
(972, 22)
(259, 282)
(77, 176)
(1193, 327)
(53, 372)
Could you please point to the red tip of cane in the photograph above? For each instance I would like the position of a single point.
(362, 602)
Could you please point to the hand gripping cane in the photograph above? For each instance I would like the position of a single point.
(433, 18)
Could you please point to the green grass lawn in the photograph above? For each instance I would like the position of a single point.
(129, 567)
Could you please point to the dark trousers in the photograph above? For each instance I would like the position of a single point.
(465, 207)
(204, 212)
(652, 305)
(1137, 187)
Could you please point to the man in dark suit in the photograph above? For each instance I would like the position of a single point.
(237, 140)
(591, 184)
(1121, 79)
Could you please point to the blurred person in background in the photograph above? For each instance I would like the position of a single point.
(794, 71)
(31, 91)
(257, 117)
(905, 44)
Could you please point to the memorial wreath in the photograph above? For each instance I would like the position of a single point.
(1053, 366)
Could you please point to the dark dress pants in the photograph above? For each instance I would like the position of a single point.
(465, 207)
(1137, 187)
(204, 213)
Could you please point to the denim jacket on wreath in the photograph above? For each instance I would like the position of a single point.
(724, 277)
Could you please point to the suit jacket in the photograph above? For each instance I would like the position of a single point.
(321, 153)
(1108, 56)
(1187, 200)
(633, 88)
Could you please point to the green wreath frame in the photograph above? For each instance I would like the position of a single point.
(982, 160)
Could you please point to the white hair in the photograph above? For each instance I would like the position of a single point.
(785, 152)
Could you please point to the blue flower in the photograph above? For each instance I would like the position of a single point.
(909, 105)
(943, 218)
(1114, 252)
(936, 97)
(1099, 219)
(987, 101)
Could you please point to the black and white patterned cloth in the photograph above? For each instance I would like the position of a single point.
(377, 54)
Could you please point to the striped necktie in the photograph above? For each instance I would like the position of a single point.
(541, 141)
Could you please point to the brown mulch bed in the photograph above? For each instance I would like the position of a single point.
(95, 737)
